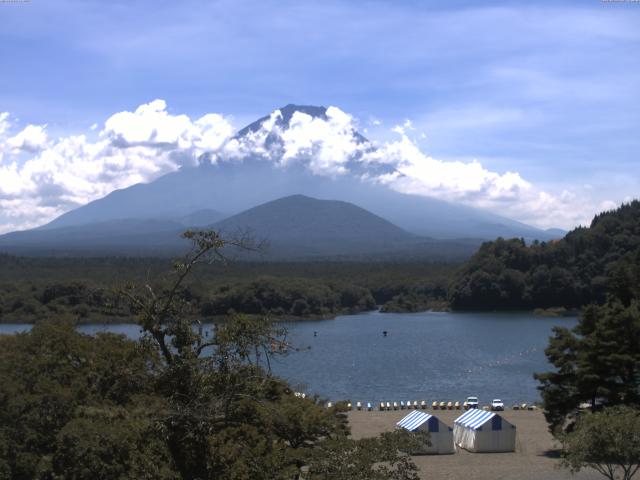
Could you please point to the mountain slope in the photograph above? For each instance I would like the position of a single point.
(295, 228)
(233, 187)
(302, 226)
(127, 236)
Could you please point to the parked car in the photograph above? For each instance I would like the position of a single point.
(497, 405)
(472, 402)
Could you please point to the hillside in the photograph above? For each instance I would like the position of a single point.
(584, 267)
(113, 237)
(301, 227)
(234, 186)
(295, 228)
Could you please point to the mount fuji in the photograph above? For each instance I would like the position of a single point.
(206, 194)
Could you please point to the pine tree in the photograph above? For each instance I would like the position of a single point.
(598, 363)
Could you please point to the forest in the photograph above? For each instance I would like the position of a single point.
(174, 404)
(587, 266)
(86, 290)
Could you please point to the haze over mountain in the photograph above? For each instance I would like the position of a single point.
(258, 172)
(295, 228)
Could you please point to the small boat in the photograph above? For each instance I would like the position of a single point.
(443, 406)
(359, 405)
(532, 407)
(457, 405)
(423, 405)
(329, 405)
(369, 406)
(382, 406)
(401, 405)
(449, 405)
(434, 405)
(486, 408)
(349, 406)
(516, 407)
(523, 406)
(415, 404)
(395, 405)
(465, 405)
(388, 406)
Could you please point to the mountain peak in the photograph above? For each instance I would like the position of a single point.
(312, 110)
(287, 113)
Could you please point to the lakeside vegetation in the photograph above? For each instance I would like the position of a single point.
(587, 266)
(85, 290)
(104, 407)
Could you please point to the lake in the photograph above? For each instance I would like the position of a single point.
(430, 356)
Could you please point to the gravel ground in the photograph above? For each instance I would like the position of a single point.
(532, 460)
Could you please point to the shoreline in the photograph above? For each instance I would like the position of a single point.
(545, 313)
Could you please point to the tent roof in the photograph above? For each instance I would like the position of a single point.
(413, 420)
(474, 418)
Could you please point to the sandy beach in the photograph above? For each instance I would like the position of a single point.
(533, 459)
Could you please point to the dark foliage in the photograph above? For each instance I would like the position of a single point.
(85, 290)
(173, 405)
(597, 363)
(584, 267)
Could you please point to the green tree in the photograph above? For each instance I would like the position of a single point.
(177, 404)
(598, 363)
(227, 416)
(49, 376)
(607, 441)
(381, 458)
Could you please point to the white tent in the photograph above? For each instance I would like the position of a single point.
(481, 431)
(440, 434)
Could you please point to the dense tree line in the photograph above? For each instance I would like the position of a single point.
(290, 297)
(584, 267)
(428, 295)
(32, 301)
(32, 289)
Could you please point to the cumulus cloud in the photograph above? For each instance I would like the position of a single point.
(327, 146)
(31, 139)
(41, 177)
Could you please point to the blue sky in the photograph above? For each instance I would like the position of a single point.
(550, 90)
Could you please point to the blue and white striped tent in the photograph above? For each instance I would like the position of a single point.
(481, 431)
(440, 434)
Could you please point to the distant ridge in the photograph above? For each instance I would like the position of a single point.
(296, 227)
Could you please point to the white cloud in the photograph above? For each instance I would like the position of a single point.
(70, 171)
(325, 144)
(327, 147)
(32, 139)
(41, 178)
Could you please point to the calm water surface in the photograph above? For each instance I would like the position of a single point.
(443, 356)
